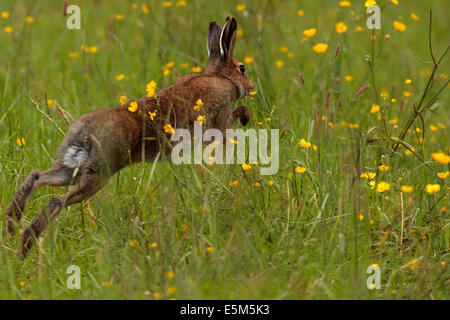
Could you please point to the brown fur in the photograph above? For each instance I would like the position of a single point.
(110, 139)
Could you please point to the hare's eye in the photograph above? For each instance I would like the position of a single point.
(242, 68)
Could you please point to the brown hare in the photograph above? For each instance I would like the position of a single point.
(102, 142)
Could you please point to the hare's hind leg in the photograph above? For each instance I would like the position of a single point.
(87, 185)
(58, 175)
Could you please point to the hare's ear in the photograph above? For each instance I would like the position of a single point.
(228, 38)
(212, 44)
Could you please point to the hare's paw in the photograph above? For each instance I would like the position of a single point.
(243, 114)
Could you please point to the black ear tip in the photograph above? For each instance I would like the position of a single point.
(214, 25)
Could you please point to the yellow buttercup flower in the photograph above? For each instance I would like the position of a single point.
(133, 106)
(320, 48)
(279, 63)
(201, 119)
(395, 2)
(150, 88)
(433, 128)
(168, 129)
(120, 77)
(196, 69)
(246, 167)
(198, 105)
(407, 189)
(152, 115)
(309, 32)
(166, 4)
(345, 4)
(4, 15)
(348, 78)
(399, 26)
(432, 188)
(144, 9)
(158, 295)
(241, 7)
(383, 186)
(171, 290)
(414, 16)
(8, 29)
(384, 95)
(341, 27)
(368, 175)
(300, 13)
(370, 3)
(408, 152)
(443, 175)
(300, 170)
(248, 60)
(20, 141)
(122, 100)
(29, 19)
(375, 108)
(74, 55)
(87, 49)
(234, 184)
(209, 249)
(170, 274)
(170, 64)
(383, 168)
(257, 184)
(153, 245)
(134, 243)
(181, 3)
(305, 144)
(166, 71)
(440, 157)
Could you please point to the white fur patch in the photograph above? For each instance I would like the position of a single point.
(74, 157)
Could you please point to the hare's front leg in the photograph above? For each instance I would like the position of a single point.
(242, 114)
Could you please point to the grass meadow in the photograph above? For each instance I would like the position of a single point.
(364, 144)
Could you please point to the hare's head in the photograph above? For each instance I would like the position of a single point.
(220, 47)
